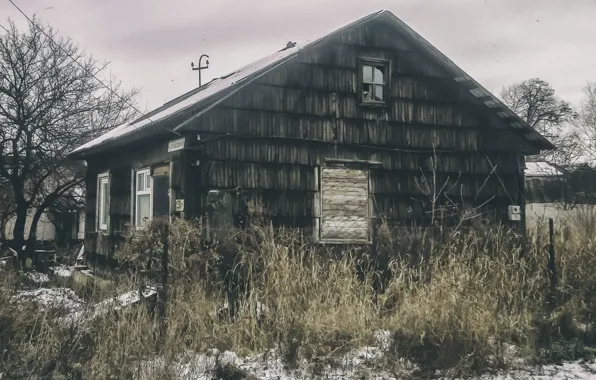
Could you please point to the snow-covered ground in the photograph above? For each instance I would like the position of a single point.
(359, 364)
(110, 304)
(38, 278)
(62, 271)
(51, 298)
(364, 363)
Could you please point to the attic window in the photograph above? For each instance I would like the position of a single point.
(374, 81)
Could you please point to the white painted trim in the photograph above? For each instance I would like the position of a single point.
(147, 173)
(132, 197)
(105, 198)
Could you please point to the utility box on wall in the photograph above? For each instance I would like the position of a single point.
(514, 213)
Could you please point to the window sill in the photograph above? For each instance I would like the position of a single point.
(374, 104)
(341, 241)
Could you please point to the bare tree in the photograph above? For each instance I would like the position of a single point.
(535, 101)
(586, 123)
(50, 102)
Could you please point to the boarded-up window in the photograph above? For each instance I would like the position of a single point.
(344, 204)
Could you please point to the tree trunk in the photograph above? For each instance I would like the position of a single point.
(32, 239)
(18, 233)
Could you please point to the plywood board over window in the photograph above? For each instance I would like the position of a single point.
(344, 204)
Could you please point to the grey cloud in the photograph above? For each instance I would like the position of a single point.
(496, 41)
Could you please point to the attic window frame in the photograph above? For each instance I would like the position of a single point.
(374, 62)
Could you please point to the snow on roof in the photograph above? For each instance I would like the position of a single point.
(195, 96)
(541, 169)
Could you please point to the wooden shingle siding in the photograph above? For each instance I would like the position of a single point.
(221, 174)
(294, 152)
(344, 204)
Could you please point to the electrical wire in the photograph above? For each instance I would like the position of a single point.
(83, 67)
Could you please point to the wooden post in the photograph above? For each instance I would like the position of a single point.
(377, 282)
(163, 288)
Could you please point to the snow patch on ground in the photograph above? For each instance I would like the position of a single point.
(567, 371)
(358, 364)
(62, 271)
(51, 298)
(87, 272)
(361, 363)
(37, 277)
(110, 304)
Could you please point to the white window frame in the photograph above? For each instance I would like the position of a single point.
(137, 193)
(103, 198)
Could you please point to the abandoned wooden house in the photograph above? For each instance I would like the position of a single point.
(368, 122)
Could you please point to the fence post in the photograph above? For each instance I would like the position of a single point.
(375, 254)
(163, 288)
(551, 257)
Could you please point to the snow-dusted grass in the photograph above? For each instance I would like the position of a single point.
(474, 305)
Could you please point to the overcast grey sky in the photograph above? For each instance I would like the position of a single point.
(150, 43)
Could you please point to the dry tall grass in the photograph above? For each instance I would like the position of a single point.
(459, 305)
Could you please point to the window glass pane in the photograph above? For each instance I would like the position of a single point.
(379, 75)
(147, 181)
(140, 182)
(367, 74)
(143, 209)
(367, 92)
(378, 92)
(104, 202)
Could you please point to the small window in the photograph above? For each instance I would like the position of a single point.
(374, 76)
(143, 198)
(103, 201)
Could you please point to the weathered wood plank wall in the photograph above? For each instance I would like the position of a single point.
(292, 119)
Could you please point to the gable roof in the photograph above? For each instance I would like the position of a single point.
(542, 169)
(219, 89)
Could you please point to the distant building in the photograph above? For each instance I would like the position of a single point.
(555, 191)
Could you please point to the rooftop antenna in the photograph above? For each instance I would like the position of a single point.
(200, 67)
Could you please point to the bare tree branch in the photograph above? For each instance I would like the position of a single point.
(535, 101)
(49, 105)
